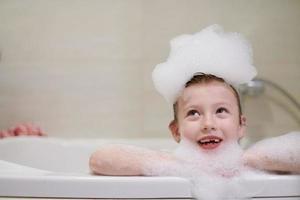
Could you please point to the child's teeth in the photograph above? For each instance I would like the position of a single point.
(210, 140)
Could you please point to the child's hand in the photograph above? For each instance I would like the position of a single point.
(22, 129)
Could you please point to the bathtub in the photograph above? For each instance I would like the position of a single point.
(58, 168)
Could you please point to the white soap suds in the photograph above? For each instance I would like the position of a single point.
(210, 51)
(214, 175)
(226, 161)
(222, 174)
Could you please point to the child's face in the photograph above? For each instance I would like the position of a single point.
(208, 115)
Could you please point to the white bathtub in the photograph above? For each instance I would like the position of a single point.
(58, 168)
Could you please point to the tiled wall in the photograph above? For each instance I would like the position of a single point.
(82, 68)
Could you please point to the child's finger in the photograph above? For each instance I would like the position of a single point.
(40, 132)
(20, 130)
(11, 132)
(32, 129)
(4, 134)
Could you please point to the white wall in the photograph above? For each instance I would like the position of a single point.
(82, 68)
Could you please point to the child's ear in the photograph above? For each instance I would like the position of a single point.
(173, 126)
(242, 129)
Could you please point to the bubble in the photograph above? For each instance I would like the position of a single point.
(225, 161)
(213, 175)
(210, 51)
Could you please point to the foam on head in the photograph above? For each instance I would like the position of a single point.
(210, 51)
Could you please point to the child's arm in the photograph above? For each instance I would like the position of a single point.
(126, 160)
(276, 154)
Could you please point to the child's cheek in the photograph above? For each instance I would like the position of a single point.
(189, 132)
(232, 132)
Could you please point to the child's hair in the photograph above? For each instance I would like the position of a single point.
(207, 78)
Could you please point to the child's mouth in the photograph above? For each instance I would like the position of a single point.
(210, 142)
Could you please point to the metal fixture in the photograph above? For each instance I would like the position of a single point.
(256, 87)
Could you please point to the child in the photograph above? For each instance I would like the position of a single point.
(207, 114)
(198, 79)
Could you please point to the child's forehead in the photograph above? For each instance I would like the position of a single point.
(209, 91)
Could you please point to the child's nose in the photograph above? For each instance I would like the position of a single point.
(208, 123)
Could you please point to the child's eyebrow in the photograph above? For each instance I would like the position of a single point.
(226, 104)
(186, 105)
(189, 105)
(223, 103)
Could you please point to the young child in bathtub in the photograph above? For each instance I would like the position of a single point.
(198, 79)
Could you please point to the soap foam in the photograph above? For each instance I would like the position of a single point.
(214, 175)
(225, 161)
(210, 51)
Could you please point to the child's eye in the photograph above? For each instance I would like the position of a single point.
(193, 113)
(222, 110)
